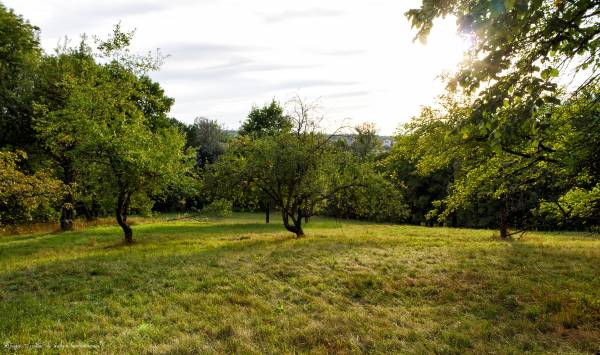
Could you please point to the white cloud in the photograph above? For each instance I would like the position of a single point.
(300, 14)
(358, 57)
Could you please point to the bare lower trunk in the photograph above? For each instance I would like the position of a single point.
(267, 213)
(67, 212)
(127, 231)
(296, 225)
(121, 213)
(503, 219)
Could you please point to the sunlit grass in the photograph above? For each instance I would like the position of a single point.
(239, 285)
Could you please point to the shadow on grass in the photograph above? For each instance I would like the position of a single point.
(29, 245)
(209, 229)
(187, 267)
(39, 294)
(225, 228)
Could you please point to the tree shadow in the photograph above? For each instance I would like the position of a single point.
(146, 278)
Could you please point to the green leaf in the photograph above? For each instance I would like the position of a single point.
(496, 147)
(465, 133)
(549, 73)
(545, 74)
(509, 4)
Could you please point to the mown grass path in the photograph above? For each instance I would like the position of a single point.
(238, 285)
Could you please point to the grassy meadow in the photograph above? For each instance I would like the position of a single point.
(237, 285)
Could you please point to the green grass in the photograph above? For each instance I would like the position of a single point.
(238, 285)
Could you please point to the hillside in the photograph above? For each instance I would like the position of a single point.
(238, 285)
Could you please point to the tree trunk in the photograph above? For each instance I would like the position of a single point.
(67, 212)
(453, 217)
(454, 220)
(126, 208)
(267, 212)
(296, 227)
(121, 212)
(503, 219)
(298, 224)
(68, 207)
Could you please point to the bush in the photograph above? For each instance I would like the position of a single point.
(218, 208)
(26, 198)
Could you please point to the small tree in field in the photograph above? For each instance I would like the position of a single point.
(109, 125)
(57, 125)
(127, 157)
(299, 169)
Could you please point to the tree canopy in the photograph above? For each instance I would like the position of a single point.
(298, 169)
(23, 196)
(20, 54)
(519, 49)
(502, 135)
(269, 119)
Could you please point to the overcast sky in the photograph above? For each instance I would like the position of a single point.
(356, 57)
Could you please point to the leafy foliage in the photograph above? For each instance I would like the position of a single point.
(576, 205)
(25, 198)
(366, 142)
(218, 208)
(19, 57)
(128, 156)
(299, 170)
(506, 138)
(208, 138)
(377, 200)
(269, 119)
(106, 128)
(519, 49)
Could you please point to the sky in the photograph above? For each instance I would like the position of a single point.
(357, 59)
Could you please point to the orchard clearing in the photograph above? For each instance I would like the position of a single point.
(238, 285)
